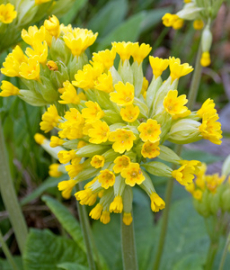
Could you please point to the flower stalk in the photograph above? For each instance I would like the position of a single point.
(221, 266)
(9, 196)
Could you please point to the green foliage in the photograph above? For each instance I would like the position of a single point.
(4, 265)
(72, 266)
(45, 251)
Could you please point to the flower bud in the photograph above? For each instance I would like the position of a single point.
(189, 12)
(206, 39)
(32, 98)
(169, 155)
(158, 169)
(202, 206)
(225, 200)
(91, 150)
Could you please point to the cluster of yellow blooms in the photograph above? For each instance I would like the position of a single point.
(211, 193)
(201, 13)
(110, 121)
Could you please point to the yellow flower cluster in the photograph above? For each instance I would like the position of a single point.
(113, 132)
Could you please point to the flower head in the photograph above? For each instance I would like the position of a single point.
(150, 131)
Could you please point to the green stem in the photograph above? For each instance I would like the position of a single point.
(211, 255)
(169, 189)
(221, 266)
(129, 256)
(9, 196)
(7, 253)
(86, 232)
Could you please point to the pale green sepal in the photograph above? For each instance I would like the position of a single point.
(127, 198)
(111, 117)
(137, 77)
(91, 150)
(225, 200)
(26, 11)
(103, 99)
(214, 202)
(119, 186)
(60, 76)
(115, 75)
(144, 110)
(61, 168)
(158, 168)
(71, 144)
(206, 39)
(47, 90)
(76, 63)
(169, 155)
(152, 90)
(125, 71)
(59, 51)
(107, 198)
(165, 120)
(87, 173)
(189, 12)
(147, 184)
(116, 126)
(110, 155)
(226, 166)
(53, 151)
(32, 98)
(201, 206)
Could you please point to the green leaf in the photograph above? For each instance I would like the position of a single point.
(127, 31)
(72, 266)
(4, 265)
(44, 251)
(190, 262)
(67, 220)
(111, 15)
(47, 184)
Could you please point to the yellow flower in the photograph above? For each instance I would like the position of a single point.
(140, 52)
(129, 113)
(156, 202)
(158, 65)
(34, 35)
(124, 94)
(104, 83)
(56, 141)
(210, 129)
(197, 194)
(116, 206)
(79, 40)
(85, 78)
(208, 107)
(39, 2)
(7, 13)
(177, 69)
(39, 138)
(123, 140)
(96, 212)
(178, 24)
(30, 70)
(150, 150)
(81, 144)
(174, 105)
(133, 175)
(97, 161)
(105, 57)
(184, 175)
(39, 52)
(205, 59)
(198, 24)
(127, 218)
(105, 217)
(52, 65)
(74, 168)
(150, 131)
(53, 170)
(65, 156)
(93, 112)
(99, 132)
(66, 187)
(121, 162)
(13, 61)
(145, 86)
(106, 178)
(52, 26)
(69, 95)
(190, 187)
(86, 197)
(8, 89)
(124, 49)
(50, 119)
(168, 19)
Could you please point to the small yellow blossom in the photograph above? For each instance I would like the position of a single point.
(8, 89)
(86, 197)
(34, 35)
(121, 162)
(156, 202)
(129, 113)
(177, 69)
(117, 205)
(145, 86)
(184, 175)
(150, 150)
(208, 107)
(50, 119)
(127, 218)
(133, 175)
(56, 141)
(105, 217)
(99, 132)
(79, 40)
(97, 161)
(168, 19)
(197, 194)
(106, 178)
(178, 24)
(96, 212)
(52, 26)
(198, 24)
(174, 105)
(39, 52)
(150, 131)
(124, 94)
(123, 140)
(205, 59)
(158, 65)
(92, 112)
(66, 187)
(30, 70)
(105, 57)
(65, 156)
(81, 144)
(52, 65)
(53, 170)
(7, 13)
(39, 138)
(190, 187)
(74, 168)
(124, 49)
(39, 2)
(69, 95)
(140, 52)
(104, 83)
